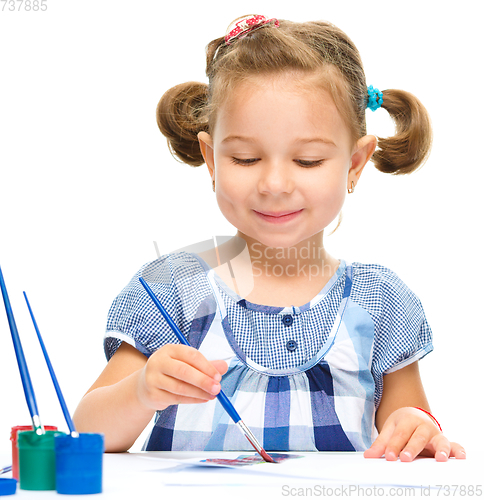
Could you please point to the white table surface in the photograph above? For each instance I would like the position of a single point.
(162, 475)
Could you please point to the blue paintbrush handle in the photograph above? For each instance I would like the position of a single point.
(62, 401)
(4, 470)
(228, 406)
(173, 326)
(22, 364)
(224, 400)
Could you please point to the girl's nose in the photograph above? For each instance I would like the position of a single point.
(275, 178)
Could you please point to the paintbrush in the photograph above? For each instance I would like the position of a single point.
(62, 401)
(224, 400)
(22, 364)
(4, 470)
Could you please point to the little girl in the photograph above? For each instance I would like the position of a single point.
(314, 353)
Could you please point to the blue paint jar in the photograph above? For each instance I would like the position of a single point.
(7, 486)
(78, 463)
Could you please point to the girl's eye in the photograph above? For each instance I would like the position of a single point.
(309, 163)
(248, 161)
(251, 161)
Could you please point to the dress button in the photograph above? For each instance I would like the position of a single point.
(291, 345)
(287, 319)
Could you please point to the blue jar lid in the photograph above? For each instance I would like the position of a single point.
(7, 486)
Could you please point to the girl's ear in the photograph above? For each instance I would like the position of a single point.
(206, 147)
(364, 149)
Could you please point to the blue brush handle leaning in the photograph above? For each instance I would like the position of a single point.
(58, 391)
(224, 400)
(22, 364)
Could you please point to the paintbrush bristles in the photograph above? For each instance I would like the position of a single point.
(253, 441)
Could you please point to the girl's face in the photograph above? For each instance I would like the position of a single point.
(282, 160)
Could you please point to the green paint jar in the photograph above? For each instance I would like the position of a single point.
(36, 455)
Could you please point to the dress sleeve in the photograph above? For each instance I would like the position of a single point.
(134, 319)
(402, 334)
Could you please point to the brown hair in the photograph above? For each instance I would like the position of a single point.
(317, 48)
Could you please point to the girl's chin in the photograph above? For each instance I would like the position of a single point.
(271, 241)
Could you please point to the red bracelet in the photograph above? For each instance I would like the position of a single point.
(430, 415)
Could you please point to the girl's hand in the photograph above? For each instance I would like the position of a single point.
(177, 374)
(408, 432)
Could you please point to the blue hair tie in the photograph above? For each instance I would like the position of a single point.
(375, 98)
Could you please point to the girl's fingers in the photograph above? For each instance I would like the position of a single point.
(405, 436)
(179, 374)
(377, 449)
(420, 442)
(424, 439)
(178, 389)
(184, 375)
(194, 358)
(396, 443)
(407, 442)
(457, 451)
(220, 366)
(185, 364)
(158, 391)
(442, 448)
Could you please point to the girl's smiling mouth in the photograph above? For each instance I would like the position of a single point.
(278, 217)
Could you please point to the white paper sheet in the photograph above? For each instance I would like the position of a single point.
(341, 468)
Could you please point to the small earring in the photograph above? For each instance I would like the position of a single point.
(213, 185)
(352, 188)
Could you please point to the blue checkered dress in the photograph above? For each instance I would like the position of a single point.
(303, 378)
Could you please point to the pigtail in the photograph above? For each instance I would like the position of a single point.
(410, 146)
(180, 115)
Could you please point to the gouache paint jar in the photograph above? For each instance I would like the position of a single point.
(36, 460)
(13, 437)
(7, 486)
(79, 463)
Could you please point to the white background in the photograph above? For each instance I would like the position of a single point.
(87, 182)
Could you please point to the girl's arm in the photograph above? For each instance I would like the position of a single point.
(132, 387)
(406, 432)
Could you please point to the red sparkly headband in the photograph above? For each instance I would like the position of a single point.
(242, 27)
